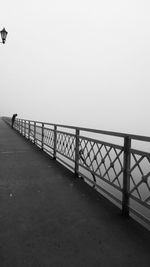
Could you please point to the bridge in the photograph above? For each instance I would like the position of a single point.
(56, 184)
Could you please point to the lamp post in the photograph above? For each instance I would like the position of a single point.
(3, 35)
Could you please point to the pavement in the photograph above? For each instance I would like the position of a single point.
(49, 218)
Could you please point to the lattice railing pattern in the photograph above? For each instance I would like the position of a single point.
(38, 133)
(49, 137)
(140, 177)
(102, 159)
(26, 129)
(66, 144)
(32, 132)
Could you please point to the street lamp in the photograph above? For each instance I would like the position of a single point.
(3, 35)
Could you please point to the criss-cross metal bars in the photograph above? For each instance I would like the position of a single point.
(117, 170)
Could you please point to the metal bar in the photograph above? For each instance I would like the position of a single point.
(34, 132)
(138, 200)
(77, 152)
(49, 146)
(48, 151)
(139, 152)
(67, 133)
(22, 127)
(29, 130)
(55, 141)
(65, 163)
(42, 136)
(103, 132)
(19, 125)
(64, 155)
(101, 178)
(25, 128)
(126, 176)
(49, 129)
(21, 122)
(140, 216)
(101, 142)
(100, 188)
(84, 162)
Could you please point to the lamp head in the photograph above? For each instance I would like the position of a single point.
(3, 35)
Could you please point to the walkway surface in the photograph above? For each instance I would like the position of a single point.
(50, 219)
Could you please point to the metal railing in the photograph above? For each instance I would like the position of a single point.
(115, 168)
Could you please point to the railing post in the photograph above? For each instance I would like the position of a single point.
(77, 152)
(29, 130)
(42, 136)
(25, 128)
(21, 127)
(126, 176)
(18, 125)
(34, 132)
(55, 141)
(26, 132)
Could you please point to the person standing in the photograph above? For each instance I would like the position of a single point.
(13, 119)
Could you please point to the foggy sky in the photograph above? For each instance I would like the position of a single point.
(83, 63)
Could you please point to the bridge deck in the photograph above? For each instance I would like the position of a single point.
(49, 218)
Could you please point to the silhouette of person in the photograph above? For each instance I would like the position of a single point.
(13, 119)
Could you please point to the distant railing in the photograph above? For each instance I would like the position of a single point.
(116, 169)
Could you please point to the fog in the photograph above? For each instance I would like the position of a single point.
(83, 63)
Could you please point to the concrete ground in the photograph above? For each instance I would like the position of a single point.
(50, 219)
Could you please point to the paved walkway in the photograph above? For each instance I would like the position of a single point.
(50, 219)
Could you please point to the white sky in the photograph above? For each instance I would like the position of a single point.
(83, 62)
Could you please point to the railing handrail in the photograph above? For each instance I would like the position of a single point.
(103, 132)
